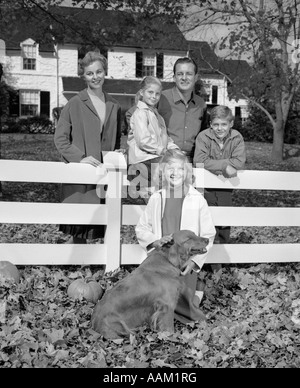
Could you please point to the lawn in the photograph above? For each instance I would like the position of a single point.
(252, 310)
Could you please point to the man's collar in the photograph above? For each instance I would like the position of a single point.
(179, 97)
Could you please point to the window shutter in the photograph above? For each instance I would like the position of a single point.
(45, 104)
(14, 104)
(139, 64)
(214, 97)
(238, 111)
(160, 65)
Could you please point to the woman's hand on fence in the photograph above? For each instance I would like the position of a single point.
(91, 160)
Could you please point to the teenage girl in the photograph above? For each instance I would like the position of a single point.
(147, 139)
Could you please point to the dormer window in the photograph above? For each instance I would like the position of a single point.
(29, 54)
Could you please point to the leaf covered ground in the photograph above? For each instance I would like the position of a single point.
(253, 311)
(252, 322)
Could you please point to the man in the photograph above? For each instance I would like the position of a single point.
(182, 109)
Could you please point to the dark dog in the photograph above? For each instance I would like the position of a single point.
(150, 293)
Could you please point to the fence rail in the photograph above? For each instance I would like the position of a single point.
(113, 214)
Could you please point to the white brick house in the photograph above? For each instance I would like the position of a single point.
(36, 73)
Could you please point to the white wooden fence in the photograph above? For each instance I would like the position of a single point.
(112, 253)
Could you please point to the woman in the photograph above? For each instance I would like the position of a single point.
(89, 124)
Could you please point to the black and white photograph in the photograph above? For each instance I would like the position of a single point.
(149, 186)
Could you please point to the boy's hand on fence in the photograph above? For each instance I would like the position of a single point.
(91, 160)
(230, 172)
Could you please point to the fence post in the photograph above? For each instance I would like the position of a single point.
(114, 221)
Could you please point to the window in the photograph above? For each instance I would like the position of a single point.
(214, 94)
(149, 64)
(203, 89)
(237, 111)
(29, 56)
(29, 100)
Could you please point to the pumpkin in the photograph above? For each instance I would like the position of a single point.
(9, 271)
(79, 289)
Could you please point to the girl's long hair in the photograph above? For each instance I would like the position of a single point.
(148, 80)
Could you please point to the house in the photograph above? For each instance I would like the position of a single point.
(42, 65)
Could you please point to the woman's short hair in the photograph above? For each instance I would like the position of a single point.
(178, 156)
(221, 112)
(89, 58)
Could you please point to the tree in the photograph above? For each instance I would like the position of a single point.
(1, 99)
(268, 33)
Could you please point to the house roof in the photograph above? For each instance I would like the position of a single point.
(125, 28)
(235, 68)
(24, 30)
(210, 63)
(204, 55)
(113, 86)
(100, 28)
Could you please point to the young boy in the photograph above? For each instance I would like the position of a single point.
(222, 151)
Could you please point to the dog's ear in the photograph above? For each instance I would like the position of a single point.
(174, 256)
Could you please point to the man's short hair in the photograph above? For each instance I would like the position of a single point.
(185, 60)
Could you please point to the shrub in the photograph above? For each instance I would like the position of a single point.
(258, 128)
(37, 124)
(254, 132)
(9, 125)
(292, 131)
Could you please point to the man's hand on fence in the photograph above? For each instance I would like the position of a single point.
(91, 160)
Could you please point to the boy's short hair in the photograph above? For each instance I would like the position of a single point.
(185, 60)
(221, 112)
